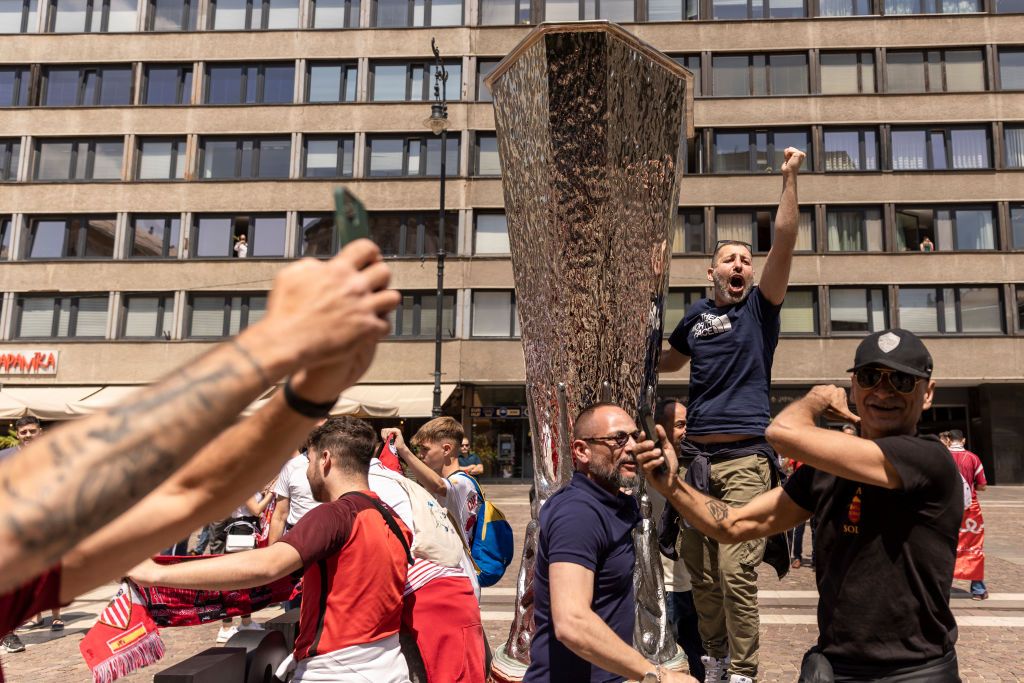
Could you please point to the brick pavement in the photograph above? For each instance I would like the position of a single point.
(987, 653)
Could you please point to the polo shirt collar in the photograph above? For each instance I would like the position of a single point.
(611, 500)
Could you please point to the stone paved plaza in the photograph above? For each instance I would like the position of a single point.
(991, 645)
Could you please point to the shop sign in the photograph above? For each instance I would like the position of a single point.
(32, 362)
(498, 411)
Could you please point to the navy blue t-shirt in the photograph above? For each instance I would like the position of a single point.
(585, 525)
(731, 351)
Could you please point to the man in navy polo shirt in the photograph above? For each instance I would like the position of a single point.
(729, 341)
(584, 606)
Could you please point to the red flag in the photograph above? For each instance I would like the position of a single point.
(970, 547)
(124, 638)
(389, 455)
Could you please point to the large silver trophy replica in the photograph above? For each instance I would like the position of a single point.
(590, 123)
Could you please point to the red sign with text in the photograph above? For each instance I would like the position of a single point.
(28, 362)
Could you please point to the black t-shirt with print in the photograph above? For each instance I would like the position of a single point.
(885, 557)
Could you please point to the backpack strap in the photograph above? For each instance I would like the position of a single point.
(389, 519)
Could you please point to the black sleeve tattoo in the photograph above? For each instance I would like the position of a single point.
(719, 510)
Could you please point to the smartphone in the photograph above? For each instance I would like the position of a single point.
(647, 424)
(350, 220)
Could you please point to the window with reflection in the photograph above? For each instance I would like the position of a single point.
(78, 159)
(271, 83)
(756, 151)
(317, 236)
(167, 84)
(412, 81)
(73, 237)
(154, 236)
(490, 233)
(328, 156)
(69, 316)
(216, 236)
(1017, 225)
(689, 232)
(1011, 67)
(851, 149)
(486, 161)
(758, 75)
(240, 15)
(847, 72)
(228, 158)
(403, 13)
(799, 314)
(677, 301)
(331, 82)
(959, 70)
(504, 12)
(412, 234)
(416, 316)
(147, 316)
(86, 86)
(484, 67)
(161, 159)
(951, 310)
(93, 16)
(223, 315)
(19, 16)
(915, 149)
(931, 6)
(10, 152)
(854, 228)
(844, 8)
(857, 310)
(757, 227)
(411, 156)
(173, 15)
(673, 10)
(691, 62)
(1020, 306)
(494, 314)
(964, 228)
(14, 83)
(1007, 6)
(6, 231)
(758, 9)
(622, 11)
(335, 13)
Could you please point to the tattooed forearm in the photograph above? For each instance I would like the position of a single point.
(719, 510)
(72, 482)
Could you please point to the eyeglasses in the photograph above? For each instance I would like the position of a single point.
(620, 439)
(869, 377)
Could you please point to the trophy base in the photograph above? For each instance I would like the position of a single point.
(504, 669)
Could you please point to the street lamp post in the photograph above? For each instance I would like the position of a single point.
(438, 124)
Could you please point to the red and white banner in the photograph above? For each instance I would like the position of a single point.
(970, 547)
(31, 362)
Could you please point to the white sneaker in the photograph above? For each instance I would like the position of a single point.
(715, 670)
(251, 626)
(224, 634)
(736, 678)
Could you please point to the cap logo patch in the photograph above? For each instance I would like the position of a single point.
(888, 341)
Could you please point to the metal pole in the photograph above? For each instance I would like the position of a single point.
(440, 83)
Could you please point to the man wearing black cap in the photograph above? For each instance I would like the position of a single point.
(888, 506)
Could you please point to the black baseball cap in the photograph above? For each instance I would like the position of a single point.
(896, 349)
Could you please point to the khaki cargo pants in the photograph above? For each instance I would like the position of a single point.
(725, 575)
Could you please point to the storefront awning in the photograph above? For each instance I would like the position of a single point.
(65, 403)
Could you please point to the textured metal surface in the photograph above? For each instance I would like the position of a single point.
(589, 122)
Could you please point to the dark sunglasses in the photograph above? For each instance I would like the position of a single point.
(620, 439)
(869, 377)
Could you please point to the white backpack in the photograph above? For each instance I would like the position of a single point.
(435, 534)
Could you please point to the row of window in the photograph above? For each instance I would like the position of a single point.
(839, 149)
(96, 16)
(817, 311)
(716, 74)
(413, 234)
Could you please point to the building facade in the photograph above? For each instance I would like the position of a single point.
(140, 140)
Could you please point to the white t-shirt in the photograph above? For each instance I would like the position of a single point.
(242, 249)
(462, 501)
(422, 571)
(677, 579)
(243, 509)
(293, 485)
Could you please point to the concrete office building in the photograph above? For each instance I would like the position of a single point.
(139, 140)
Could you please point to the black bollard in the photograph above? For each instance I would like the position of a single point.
(215, 665)
(264, 652)
(287, 624)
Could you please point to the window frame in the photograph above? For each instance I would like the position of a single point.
(90, 162)
(340, 155)
(90, 13)
(85, 221)
(424, 153)
(765, 9)
(334, 245)
(352, 12)
(756, 247)
(998, 70)
(409, 220)
(947, 142)
(179, 158)
(73, 310)
(862, 148)
(417, 316)
(477, 213)
(860, 72)
(22, 87)
(10, 156)
(518, 11)
(428, 69)
(866, 289)
(249, 219)
(752, 153)
(986, 86)
(476, 153)
(862, 210)
(513, 315)
(189, 20)
(940, 318)
(347, 67)
(952, 208)
(166, 241)
(410, 15)
(265, 6)
(28, 9)
(183, 97)
(243, 317)
(161, 313)
(243, 83)
(257, 151)
(690, 296)
(815, 311)
(83, 72)
(767, 69)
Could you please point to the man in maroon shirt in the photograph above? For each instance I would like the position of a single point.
(970, 553)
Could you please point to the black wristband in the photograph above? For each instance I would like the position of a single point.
(304, 407)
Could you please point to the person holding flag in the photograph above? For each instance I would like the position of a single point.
(970, 548)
